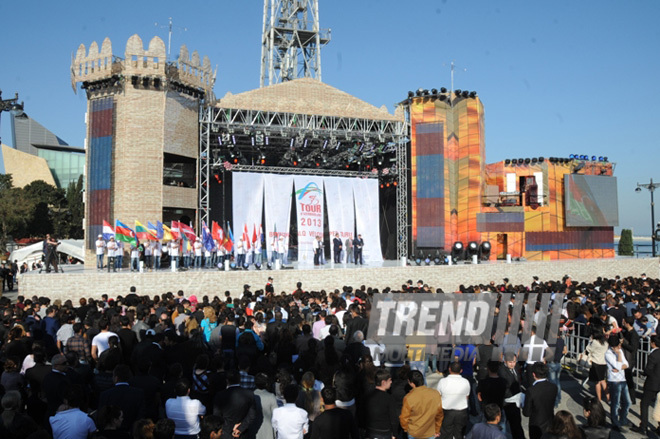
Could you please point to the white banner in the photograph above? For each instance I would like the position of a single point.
(278, 190)
(341, 217)
(247, 204)
(365, 192)
(309, 208)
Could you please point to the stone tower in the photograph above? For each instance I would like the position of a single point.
(142, 133)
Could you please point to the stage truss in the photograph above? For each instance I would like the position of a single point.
(236, 140)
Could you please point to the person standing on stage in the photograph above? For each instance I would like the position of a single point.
(208, 256)
(349, 251)
(219, 254)
(148, 254)
(51, 253)
(119, 255)
(358, 243)
(174, 253)
(197, 246)
(240, 253)
(112, 247)
(318, 248)
(100, 249)
(336, 248)
(257, 251)
(158, 252)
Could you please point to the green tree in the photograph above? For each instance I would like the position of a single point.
(75, 210)
(49, 202)
(626, 243)
(16, 210)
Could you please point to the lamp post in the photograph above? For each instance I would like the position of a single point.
(651, 187)
(12, 106)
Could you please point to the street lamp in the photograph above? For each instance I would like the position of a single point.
(12, 106)
(651, 187)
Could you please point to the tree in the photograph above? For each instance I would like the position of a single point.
(75, 209)
(626, 243)
(16, 209)
(48, 202)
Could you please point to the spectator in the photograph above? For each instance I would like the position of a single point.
(289, 421)
(266, 403)
(185, 412)
(333, 422)
(563, 427)
(70, 422)
(489, 429)
(421, 415)
(594, 412)
(540, 401)
(455, 392)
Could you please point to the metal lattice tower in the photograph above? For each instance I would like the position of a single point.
(291, 41)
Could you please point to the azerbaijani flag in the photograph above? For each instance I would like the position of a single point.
(175, 230)
(107, 231)
(207, 239)
(142, 233)
(167, 233)
(124, 233)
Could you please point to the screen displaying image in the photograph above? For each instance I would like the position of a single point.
(591, 201)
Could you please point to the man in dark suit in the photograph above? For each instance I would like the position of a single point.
(236, 406)
(128, 398)
(334, 422)
(630, 347)
(651, 384)
(356, 323)
(358, 243)
(510, 371)
(540, 401)
(336, 248)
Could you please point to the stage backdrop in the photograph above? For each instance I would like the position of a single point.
(365, 192)
(249, 189)
(278, 189)
(341, 217)
(309, 208)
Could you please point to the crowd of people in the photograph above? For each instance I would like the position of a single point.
(301, 364)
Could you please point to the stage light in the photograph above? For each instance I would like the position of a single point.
(436, 260)
(600, 159)
(419, 92)
(156, 82)
(394, 183)
(382, 186)
(521, 161)
(293, 140)
(473, 94)
(269, 265)
(443, 90)
(233, 139)
(427, 261)
(434, 91)
(426, 92)
(325, 143)
(245, 266)
(604, 159)
(465, 94)
(457, 251)
(507, 161)
(514, 161)
(411, 94)
(472, 249)
(527, 161)
(232, 265)
(484, 251)
(541, 159)
(457, 93)
(593, 158)
(134, 81)
(257, 266)
(443, 97)
(145, 82)
(571, 156)
(418, 261)
(534, 160)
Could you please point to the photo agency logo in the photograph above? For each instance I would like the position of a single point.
(445, 325)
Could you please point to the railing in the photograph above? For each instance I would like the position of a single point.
(576, 342)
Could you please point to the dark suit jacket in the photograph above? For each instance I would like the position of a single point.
(356, 324)
(53, 387)
(540, 404)
(652, 372)
(630, 346)
(512, 382)
(129, 399)
(236, 406)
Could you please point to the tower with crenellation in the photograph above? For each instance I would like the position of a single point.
(142, 137)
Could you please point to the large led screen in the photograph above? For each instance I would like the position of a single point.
(591, 201)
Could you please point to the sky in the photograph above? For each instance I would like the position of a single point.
(556, 77)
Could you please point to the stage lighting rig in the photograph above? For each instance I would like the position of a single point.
(457, 251)
(484, 251)
(472, 249)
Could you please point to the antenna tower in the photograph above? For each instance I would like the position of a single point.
(291, 41)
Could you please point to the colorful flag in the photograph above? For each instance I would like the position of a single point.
(160, 231)
(124, 233)
(246, 238)
(142, 233)
(217, 232)
(188, 232)
(153, 230)
(207, 238)
(229, 243)
(254, 234)
(167, 233)
(176, 232)
(108, 232)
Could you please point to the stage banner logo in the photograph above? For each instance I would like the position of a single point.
(341, 214)
(309, 208)
(278, 190)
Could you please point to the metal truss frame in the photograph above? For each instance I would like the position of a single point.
(295, 171)
(403, 226)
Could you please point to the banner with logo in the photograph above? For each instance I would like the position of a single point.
(365, 193)
(341, 213)
(278, 189)
(309, 208)
(248, 201)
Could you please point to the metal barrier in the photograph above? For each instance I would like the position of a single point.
(576, 342)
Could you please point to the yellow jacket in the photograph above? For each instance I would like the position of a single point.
(421, 415)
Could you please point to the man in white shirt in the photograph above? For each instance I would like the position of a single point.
(197, 246)
(100, 341)
(289, 421)
(119, 255)
(158, 252)
(112, 246)
(184, 411)
(455, 391)
(616, 383)
(174, 252)
(240, 253)
(100, 249)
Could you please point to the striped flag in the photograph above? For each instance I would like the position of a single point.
(108, 232)
(142, 233)
(167, 233)
(188, 232)
(174, 229)
(124, 233)
(207, 238)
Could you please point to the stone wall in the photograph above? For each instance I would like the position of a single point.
(91, 283)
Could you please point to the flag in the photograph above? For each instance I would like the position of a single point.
(160, 231)
(153, 230)
(229, 242)
(188, 232)
(217, 232)
(246, 238)
(142, 233)
(176, 232)
(257, 242)
(124, 233)
(108, 232)
(207, 238)
(254, 234)
(167, 233)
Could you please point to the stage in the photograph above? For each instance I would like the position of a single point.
(77, 282)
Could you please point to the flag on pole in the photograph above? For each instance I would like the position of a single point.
(254, 234)
(175, 231)
(246, 238)
(217, 232)
(108, 232)
(188, 232)
(167, 233)
(142, 233)
(229, 242)
(207, 238)
(160, 232)
(153, 230)
(124, 233)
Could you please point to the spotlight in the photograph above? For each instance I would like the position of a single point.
(325, 143)
(457, 93)
(457, 251)
(600, 159)
(411, 94)
(534, 160)
(145, 82)
(434, 91)
(507, 161)
(269, 265)
(427, 261)
(418, 261)
(436, 260)
(521, 161)
(465, 94)
(245, 266)
(156, 82)
(541, 159)
(426, 92)
(604, 159)
(571, 156)
(419, 92)
(484, 251)
(443, 90)
(473, 94)
(472, 249)
(134, 81)
(257, 266)
(232, 265)
(593, 158)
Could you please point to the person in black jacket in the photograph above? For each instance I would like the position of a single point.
(630, 347)
(540, 401)
(236, 406)
(128, 398)
(381, 416)
(596, 427)
(511, 374)
(651, 384)
(334, 422)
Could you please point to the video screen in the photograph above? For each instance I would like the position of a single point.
(591, 201)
